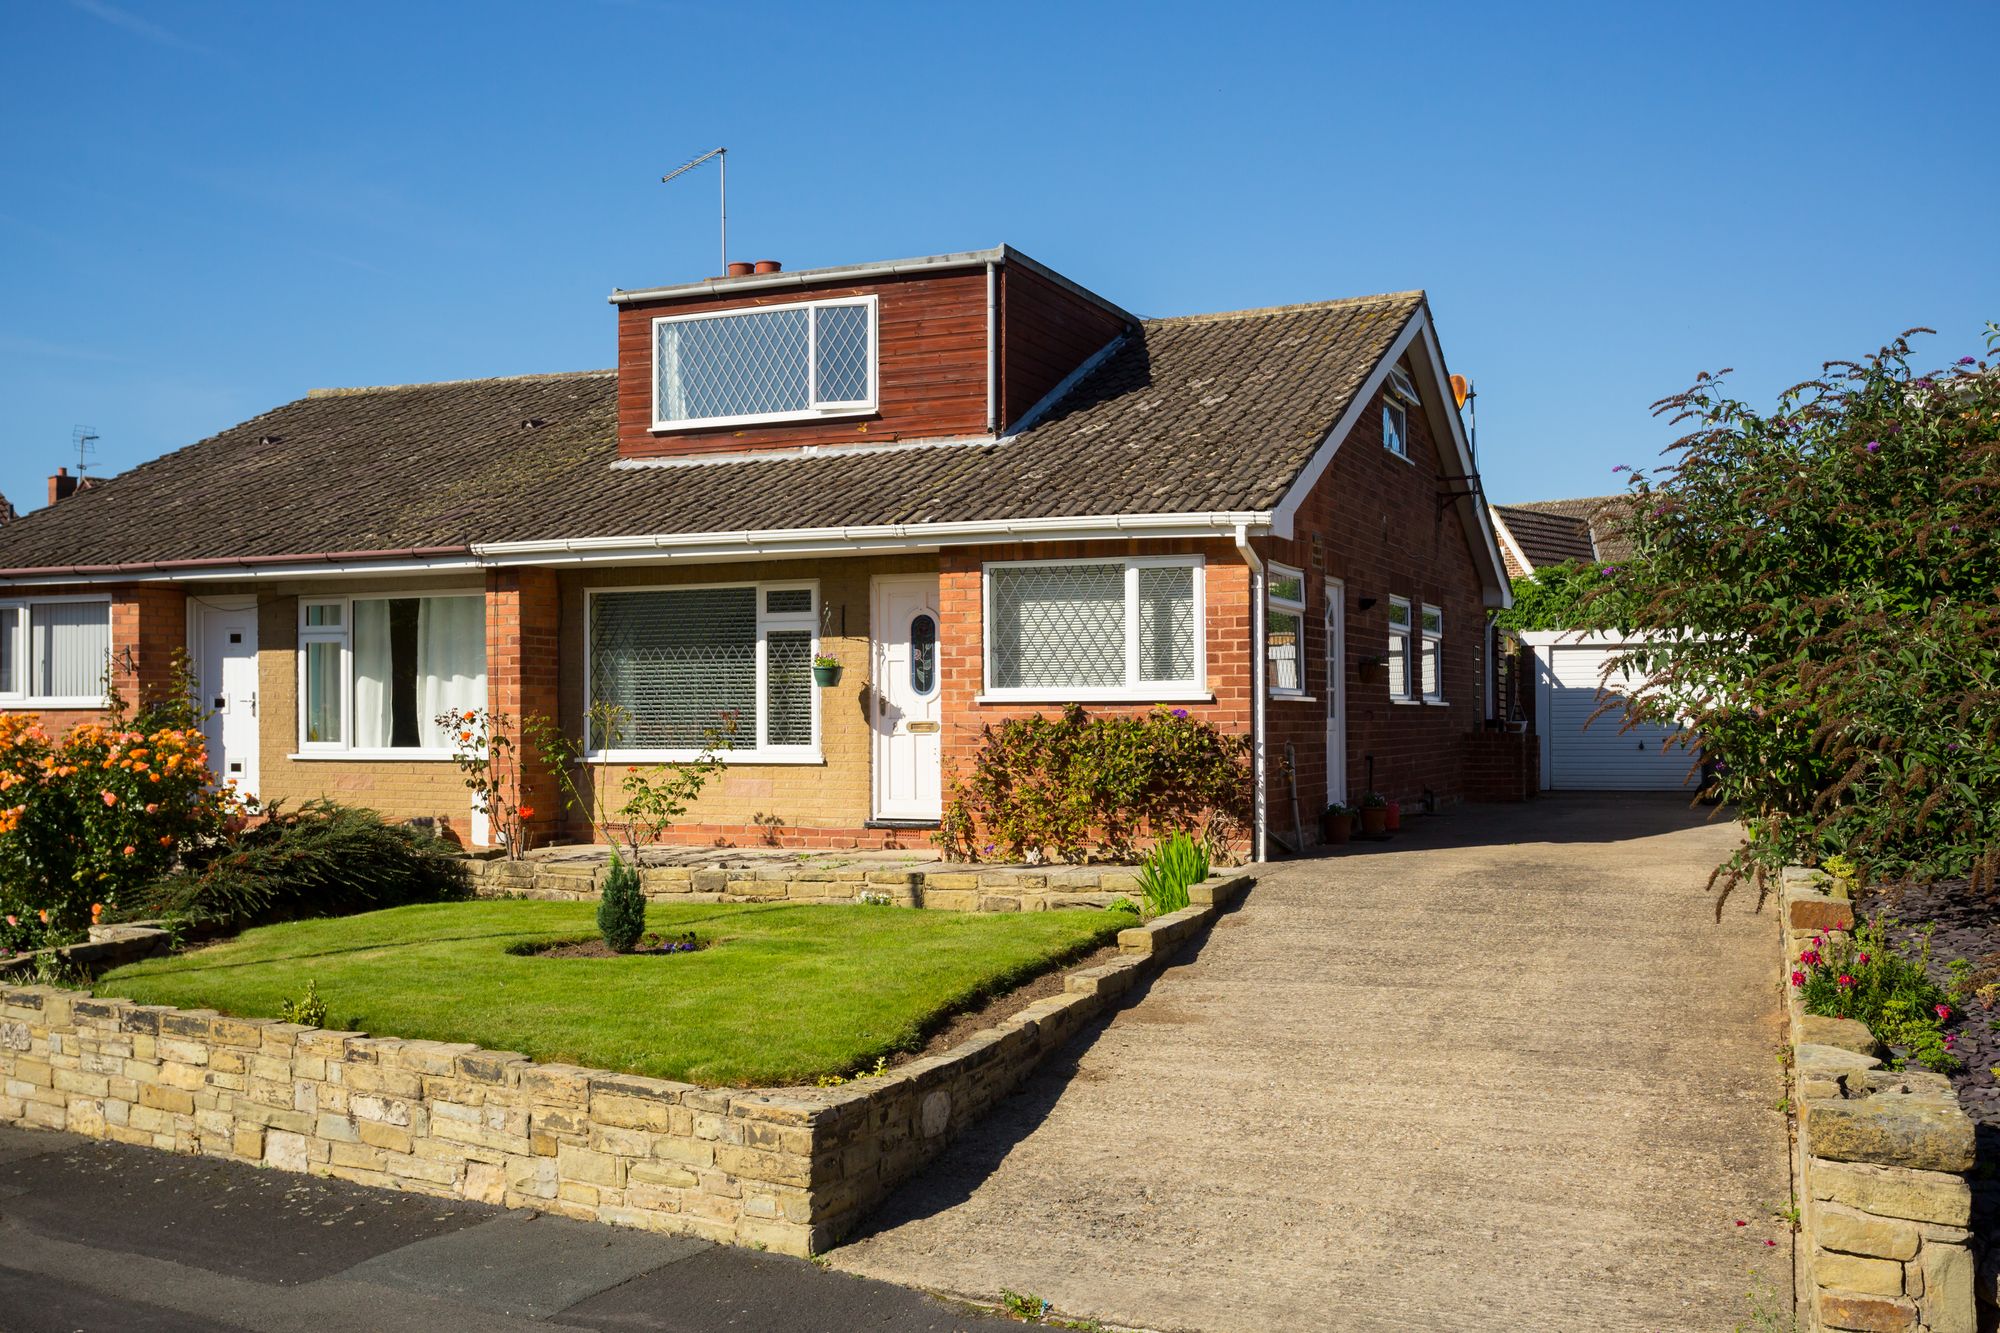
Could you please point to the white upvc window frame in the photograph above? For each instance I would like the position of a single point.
(759, 751)
(1430, 636)
(1133, 690)
(343, 634)
(1285, 606)
(817, 411)
(23, 646)
(1396, 413)
(1406, 690)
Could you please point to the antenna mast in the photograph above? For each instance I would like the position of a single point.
(84, 440)
(721, 156)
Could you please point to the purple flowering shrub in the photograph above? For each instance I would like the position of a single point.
(1865, 977)
(1821, 585)
(1078, 788)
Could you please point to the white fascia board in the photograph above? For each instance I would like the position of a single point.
(1288, 508)
(1417, 334)
(899, 537)
(1506, 536)
(224, 571)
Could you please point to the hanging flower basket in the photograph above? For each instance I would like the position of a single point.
(826, 672)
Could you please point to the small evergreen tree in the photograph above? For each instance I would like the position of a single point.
(621, 913)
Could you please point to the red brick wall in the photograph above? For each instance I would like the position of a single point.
(523, 637)
(1502, 765)
(148, 626)
(961, 633)
(1379, 528)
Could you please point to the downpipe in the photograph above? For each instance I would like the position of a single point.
(1259, 664)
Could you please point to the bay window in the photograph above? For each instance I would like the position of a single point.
(787, 362)
(724, 667)
(1285, 630)
(1127, 628)
(55, 651)
(376, 673)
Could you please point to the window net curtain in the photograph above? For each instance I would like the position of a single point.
(451, 664)
(374, 668)
(72, 648)
(1058, 625)
(736, 365)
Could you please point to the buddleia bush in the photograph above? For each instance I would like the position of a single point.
(1822, 581)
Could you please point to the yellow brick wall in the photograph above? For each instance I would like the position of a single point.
(830, 794)
(399, 789)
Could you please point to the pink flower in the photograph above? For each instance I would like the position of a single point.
(1845, 980)
(110, 798)
(1798, 978)
(1810, 957)
(1861, 959)
(1944, 1013)
(153, 808)
(13, 920)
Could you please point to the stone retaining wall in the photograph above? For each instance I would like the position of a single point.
(956, 888)
(108, 947)
(1879, 1165)
(790, 1169)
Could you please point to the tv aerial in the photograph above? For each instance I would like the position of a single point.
(721, 156)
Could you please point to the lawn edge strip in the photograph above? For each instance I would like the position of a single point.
(790, 1169)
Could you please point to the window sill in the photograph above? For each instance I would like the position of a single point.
(1278, 698)
(731, 757)
(1413, 703)
(1404, 456)
(1167, 696)
(765, 419)
(22, 701)
(377, 756)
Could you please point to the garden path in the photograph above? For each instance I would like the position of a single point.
(1506, 1071)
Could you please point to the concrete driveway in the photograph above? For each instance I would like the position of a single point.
(1505, 1072)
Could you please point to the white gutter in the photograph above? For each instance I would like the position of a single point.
(1259, 850)
(1110, 527)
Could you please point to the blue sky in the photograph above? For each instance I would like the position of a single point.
(208, 208)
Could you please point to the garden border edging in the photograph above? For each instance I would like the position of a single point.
(1879, 1162)
(792, 1169)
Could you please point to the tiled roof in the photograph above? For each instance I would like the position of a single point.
(1191, 415)
(1553, 531)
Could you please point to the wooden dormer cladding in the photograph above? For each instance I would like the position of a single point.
(932, 369)
(1046, 331)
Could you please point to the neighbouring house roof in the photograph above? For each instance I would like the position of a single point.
(1552, 532)
(1204, 414)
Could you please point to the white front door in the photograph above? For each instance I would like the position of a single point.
(1336, 691)
(227, 669)
(908, 736)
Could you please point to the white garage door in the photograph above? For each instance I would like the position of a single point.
(1601, 756)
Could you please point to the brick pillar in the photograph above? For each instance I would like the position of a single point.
(148, 633)
(522, 619)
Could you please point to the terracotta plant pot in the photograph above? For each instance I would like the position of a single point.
(1335, 829)
(1394, 816)
(1374, 820)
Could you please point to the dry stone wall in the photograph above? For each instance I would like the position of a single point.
(1879, 1165)
(789, 1169)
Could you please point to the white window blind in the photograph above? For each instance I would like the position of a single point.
(1093, 625)
(58, 650)
(699, 667)
(772, 363)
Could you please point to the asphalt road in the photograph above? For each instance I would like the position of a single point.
(100, 1236)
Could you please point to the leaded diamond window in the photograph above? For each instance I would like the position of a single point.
(783, 362)
(1126, 627)
(698, 668)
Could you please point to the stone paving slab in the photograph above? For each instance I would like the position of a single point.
(1506, 1071)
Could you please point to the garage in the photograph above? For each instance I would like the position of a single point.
(1579, 754)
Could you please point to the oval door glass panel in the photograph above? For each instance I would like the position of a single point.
(923, 654)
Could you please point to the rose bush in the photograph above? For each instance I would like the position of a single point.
(88, 818)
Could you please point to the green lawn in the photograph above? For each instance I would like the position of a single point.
(782, 994)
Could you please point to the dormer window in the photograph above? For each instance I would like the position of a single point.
(795, 362)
